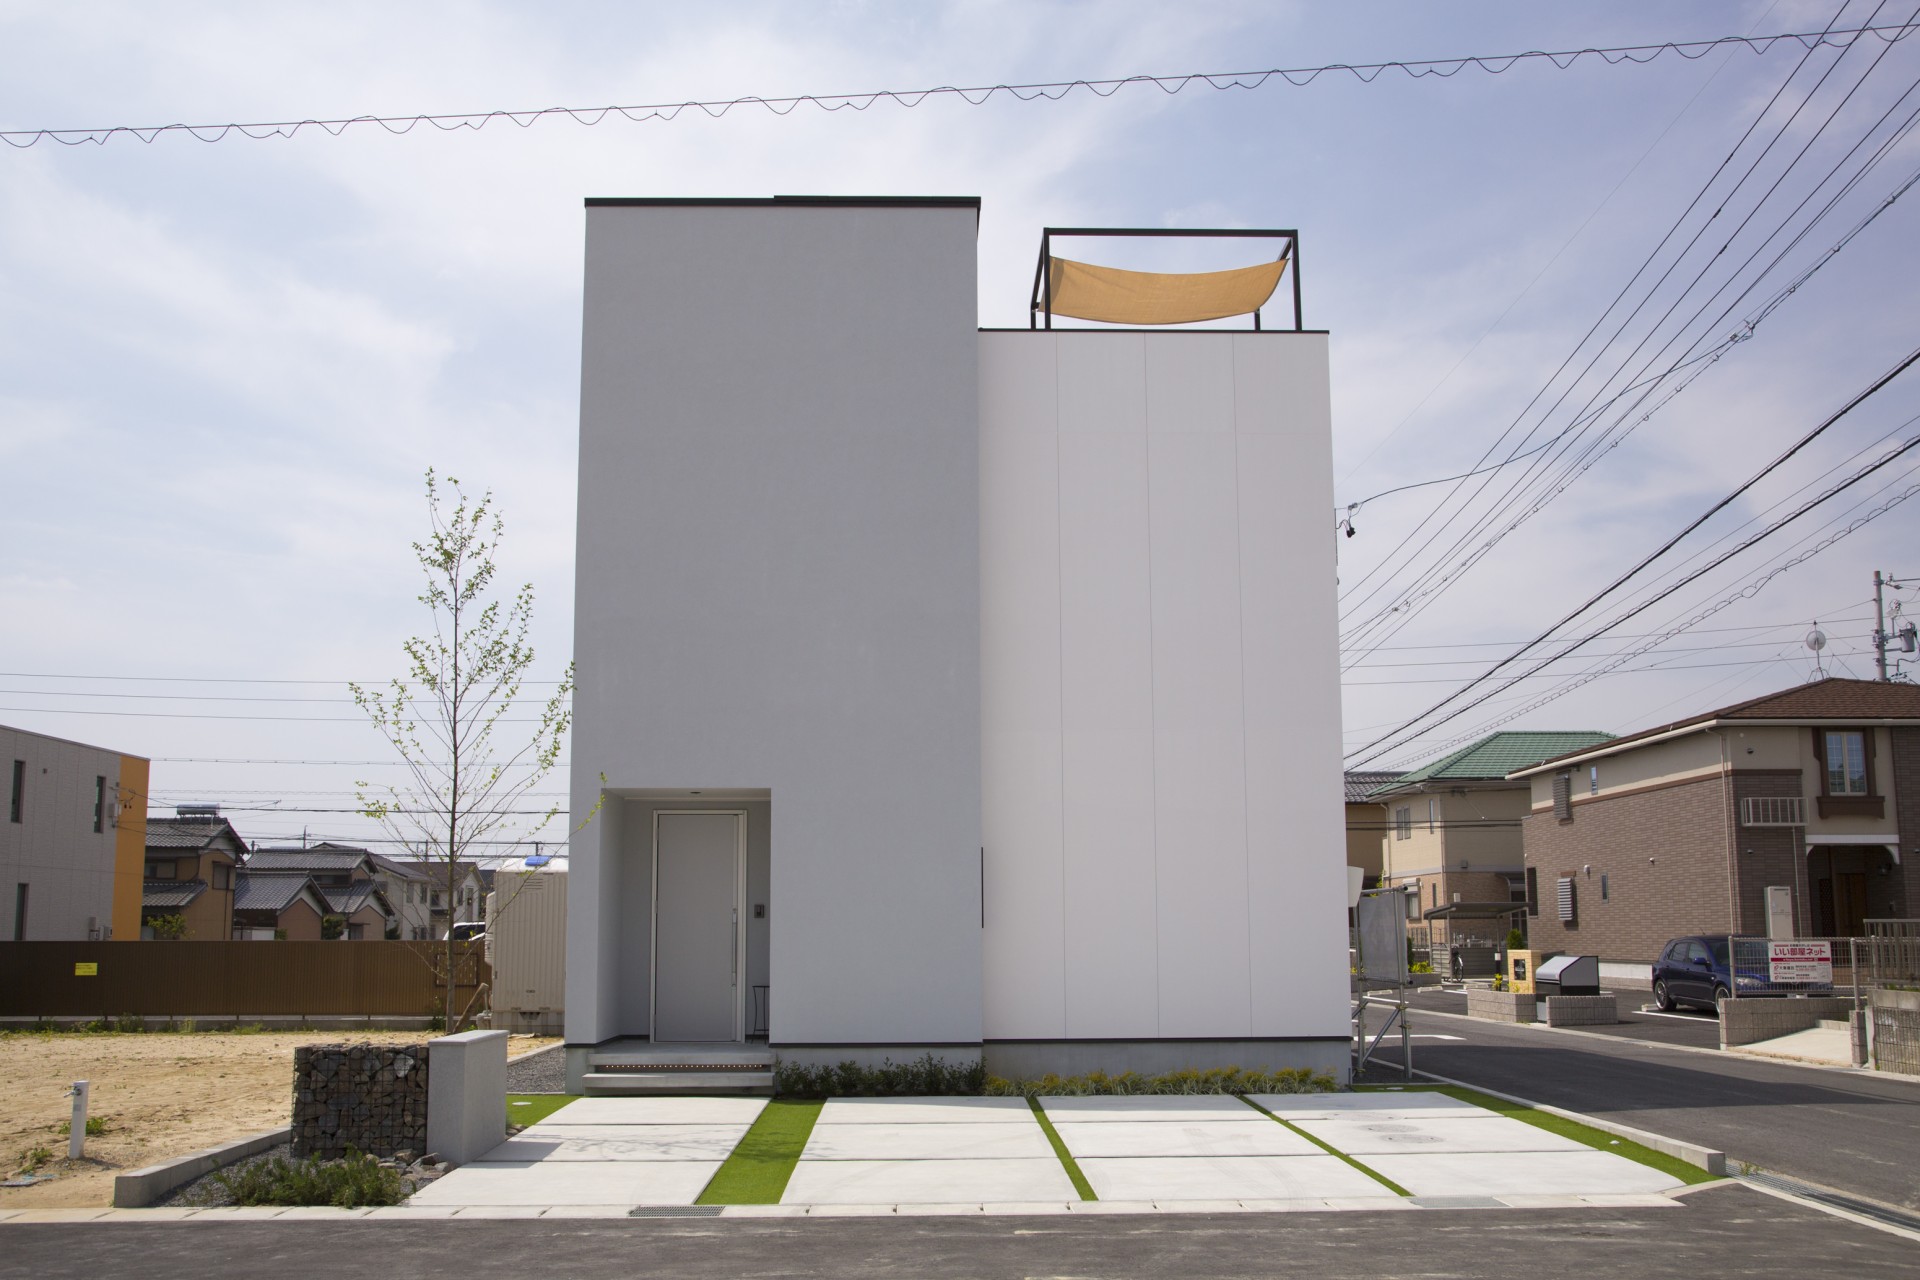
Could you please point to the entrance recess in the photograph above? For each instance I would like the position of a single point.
(699, 875)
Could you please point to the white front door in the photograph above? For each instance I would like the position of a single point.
(698, 865)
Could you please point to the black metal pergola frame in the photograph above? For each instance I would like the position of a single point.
(1041, 304)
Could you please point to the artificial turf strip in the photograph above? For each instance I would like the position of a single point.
(1078, 1178)
(1380, 1178)
(1599, 1139)
(758, 1169)
(529, 1108)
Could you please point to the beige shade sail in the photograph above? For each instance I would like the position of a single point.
(1113, 296)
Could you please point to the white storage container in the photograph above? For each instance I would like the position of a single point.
(527, 946)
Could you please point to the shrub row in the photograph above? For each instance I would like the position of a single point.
(931, 1076)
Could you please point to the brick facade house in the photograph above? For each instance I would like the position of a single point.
(1794, 814)
(1453, 829)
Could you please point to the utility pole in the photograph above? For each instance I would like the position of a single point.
(1879, 629)
(1904, 634)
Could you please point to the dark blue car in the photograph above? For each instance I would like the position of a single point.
(1703, 971)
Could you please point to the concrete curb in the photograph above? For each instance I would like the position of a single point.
(142, 1187)
(1714, 1162)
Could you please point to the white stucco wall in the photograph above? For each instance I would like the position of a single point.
(1160, 688)
(777, 590)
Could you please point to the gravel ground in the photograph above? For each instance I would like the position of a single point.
(542, 1072)
(204, 1192)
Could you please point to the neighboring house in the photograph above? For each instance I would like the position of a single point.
(364, 912)
(408, 892)
(1454, 831)
(348, 878)
(283, 905)
(1367, 823)
(70, 840)
(1792, 814)
(469, 895)
(191, 859)
(947, 690)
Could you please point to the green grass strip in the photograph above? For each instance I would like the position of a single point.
(1380, 1178)
(527, 1108)
(758, 1169)
(1079, 1179)
(1598, 1139)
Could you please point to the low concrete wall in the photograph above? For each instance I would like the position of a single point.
(1500, 1006)
(1751, 1021)
(467, 1095)
(139, 1188)
(1581, 1011)
(1895, 1016)
(1623, 975)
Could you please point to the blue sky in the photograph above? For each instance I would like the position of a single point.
(223, 367)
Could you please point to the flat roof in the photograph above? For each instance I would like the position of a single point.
(840, 202)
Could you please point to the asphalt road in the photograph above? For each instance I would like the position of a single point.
(1852, 1132)
(1682, 1026)
(1719, 1231)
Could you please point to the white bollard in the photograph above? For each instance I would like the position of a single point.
(77, 1135)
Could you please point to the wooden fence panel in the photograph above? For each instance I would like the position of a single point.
(232, 979)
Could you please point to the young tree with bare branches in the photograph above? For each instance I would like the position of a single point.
(470, 769)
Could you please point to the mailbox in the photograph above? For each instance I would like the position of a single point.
(1521, 966)
(1568, 976)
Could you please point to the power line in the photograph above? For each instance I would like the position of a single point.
(1427, 585)
(1593, 600)
(1744, 593)
(977, 95)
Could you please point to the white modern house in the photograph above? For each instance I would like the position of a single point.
(947, 690)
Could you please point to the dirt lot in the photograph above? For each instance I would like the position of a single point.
(161, 1094)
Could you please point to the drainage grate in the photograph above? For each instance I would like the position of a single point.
(1834, 1200)
(675, 1211)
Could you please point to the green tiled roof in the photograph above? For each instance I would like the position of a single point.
(1499, 754)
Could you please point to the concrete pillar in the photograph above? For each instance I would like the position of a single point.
(466, 1095)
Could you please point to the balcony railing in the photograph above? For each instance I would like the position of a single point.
(1773, 811)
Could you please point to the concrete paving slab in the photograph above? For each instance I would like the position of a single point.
(1360, 1136)
(1160, 1179)
(847, 1182)
(1519, 1173)
(1151, 1107)
(1171, 1138)
(320, 1213)
(941, 1141)
(398, 1212)
(1300, 1106)
(925, 1111)
(603, 1111)
(585, 1211)
(553, 1182)
(620, 1142)
(171, 1214)
(501, 1211)
(1816, 1044)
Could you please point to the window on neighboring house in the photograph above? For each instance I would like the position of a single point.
(222, 876)
(1563, 796)
(1603, 887)
(1433, 814)
(19, 790)
(159, 871)
(1567, 901)
(1846, 753)
(1436, 893)
(1593, 779)
(1533, 891)
(1403, 822)
(99, 804)
(19, 913)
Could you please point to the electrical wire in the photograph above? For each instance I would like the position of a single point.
(977, 95)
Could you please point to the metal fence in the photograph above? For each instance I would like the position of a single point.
(234, 979)
(1887, 955)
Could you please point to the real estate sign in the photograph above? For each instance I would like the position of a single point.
(1799, 962)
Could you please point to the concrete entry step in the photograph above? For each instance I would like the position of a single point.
(631, 1080)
